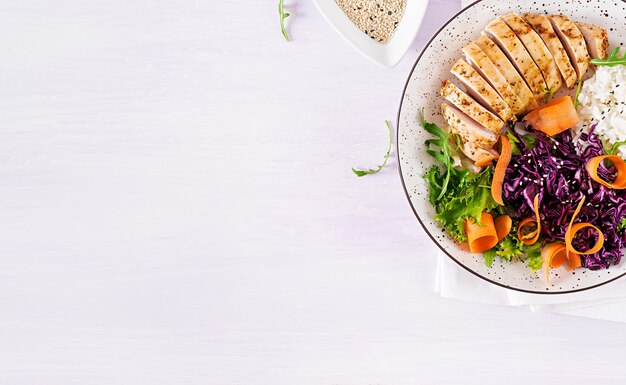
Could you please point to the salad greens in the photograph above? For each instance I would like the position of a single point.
(550, 91)
(444, 155)
(529, 140)
(611, 61)
(455, 193)
(510, 247)
(578, 88)
(380, 167)
(283, 16)
(613, 149)
(489, 256)
(533, 256)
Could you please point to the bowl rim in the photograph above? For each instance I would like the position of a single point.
(406, 192)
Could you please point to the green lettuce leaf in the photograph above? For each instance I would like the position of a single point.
(489, 256)
(510, 247)
(533, 256)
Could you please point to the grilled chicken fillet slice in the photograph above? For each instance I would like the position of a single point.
(481, 63)
(470, 107)
(476, 153)
(537, 50)
(573, 41)
(478, 88)
(515, 51)
(542, 26)
(466, 128)
(506, 69)
(597, 40)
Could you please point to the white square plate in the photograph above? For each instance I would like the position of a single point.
(387, 55)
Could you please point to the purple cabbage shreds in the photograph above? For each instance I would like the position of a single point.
(555, 169)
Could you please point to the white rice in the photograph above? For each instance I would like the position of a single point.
(603, 102)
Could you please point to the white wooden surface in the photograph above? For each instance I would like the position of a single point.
(177, 207)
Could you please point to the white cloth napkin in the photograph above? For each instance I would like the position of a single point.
(607, 302)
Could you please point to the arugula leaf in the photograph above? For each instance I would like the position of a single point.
(514, 141)
(530, 141)
(622, 225)
(283, 16)
(550, 91)
(578, 88)
(443, 155)
(613, 149)
(489, 256)
(611, 61)
(533, 256)
(380, 167)
(435, 180)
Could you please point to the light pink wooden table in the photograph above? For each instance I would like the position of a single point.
(177, 207)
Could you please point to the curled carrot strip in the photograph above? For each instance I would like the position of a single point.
(503, 225)
(620, 180)
(554, 117)
(532, 236)
(481, 236)
(500, 170)
(571, 234)
(573, 260)
(555, 255)
(572, 229)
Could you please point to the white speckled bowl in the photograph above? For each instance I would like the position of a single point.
(387, 55)
(422, 90)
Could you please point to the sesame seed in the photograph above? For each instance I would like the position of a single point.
(376, 18)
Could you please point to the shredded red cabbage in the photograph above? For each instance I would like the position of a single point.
(555, 169)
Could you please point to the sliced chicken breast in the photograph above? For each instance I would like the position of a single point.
(573, 41)
(470, 107)
(481, 63)
(478, 88)
(597, 40)
(466, 128)
(515, 51)
(476, 153)
(506, 69)
(537, 50)
(542, 26)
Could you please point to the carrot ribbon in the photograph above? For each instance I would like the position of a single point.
(532, 236)
(555, 255)
(554, 117)
(500, 170)
(570, 234)
(620, 179)
(503, 225)
(481, 236)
